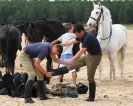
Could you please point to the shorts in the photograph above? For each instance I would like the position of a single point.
(66, 57)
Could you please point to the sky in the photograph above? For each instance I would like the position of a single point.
(93, 0)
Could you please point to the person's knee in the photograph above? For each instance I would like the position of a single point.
(40, 77)
(90, 78)
(31, 76)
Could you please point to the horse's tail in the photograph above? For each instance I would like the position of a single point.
(125, 30)
(121, 57)
(11, 49)
(126, 39)
(8, 51)
(2, 48)
(122, 52)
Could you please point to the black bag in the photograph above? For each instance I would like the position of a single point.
(17, 87)
(5, 81)
(82, 89)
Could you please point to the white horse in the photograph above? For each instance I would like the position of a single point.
(112, 38)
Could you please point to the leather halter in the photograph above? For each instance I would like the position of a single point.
(97, 21)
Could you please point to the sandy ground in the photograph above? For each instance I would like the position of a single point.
(109, 93)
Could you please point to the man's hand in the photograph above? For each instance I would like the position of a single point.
(49, 74)
(57, 60)
(70, 62)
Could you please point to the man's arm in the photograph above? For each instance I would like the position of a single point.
(79, 53)
(57, 60)
(69, 42)
(54, 42)
(37, 65)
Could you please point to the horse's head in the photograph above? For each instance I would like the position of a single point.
(96, 15)
(23, 28)
(37, 30)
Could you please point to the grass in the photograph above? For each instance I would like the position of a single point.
(129, 26)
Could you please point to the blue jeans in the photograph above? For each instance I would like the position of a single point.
(65, 57)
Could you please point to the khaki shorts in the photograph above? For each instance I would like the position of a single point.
(28, 67)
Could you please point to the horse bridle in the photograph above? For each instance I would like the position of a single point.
(97, 21)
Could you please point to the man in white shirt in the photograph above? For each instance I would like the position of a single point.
(67, 53)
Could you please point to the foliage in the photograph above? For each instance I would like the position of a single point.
(21, 11)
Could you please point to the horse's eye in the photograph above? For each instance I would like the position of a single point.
(97, 12)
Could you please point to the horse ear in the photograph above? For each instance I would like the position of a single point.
(99, 3)
(94, 4)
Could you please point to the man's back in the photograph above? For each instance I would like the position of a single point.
(40, 50)
(65, 37)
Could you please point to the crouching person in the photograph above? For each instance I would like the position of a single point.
(91, 60)
(30, 58)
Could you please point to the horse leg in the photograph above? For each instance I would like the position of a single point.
(48, 67)
(122, 58)
(112, 58)
(49, 63)
(100, 70)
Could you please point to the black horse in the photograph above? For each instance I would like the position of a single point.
(44, 29)
(39, 30)
(10, 42)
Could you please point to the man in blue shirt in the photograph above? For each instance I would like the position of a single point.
(91, 60)
(31, 58)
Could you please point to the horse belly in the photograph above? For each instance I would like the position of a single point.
(117, 40)
(119, 36)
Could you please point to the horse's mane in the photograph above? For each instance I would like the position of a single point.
(107, 12)
(49, 21)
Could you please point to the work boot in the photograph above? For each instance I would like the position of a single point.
(41, 93)
(28, 91)
(92, 90)
(60, 71)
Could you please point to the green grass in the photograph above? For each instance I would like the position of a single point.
(129, 26)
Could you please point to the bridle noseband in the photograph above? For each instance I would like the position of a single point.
(98, 19)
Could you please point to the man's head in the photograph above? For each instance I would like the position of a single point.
(79, 30)
(56, 49)
(69, 27)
